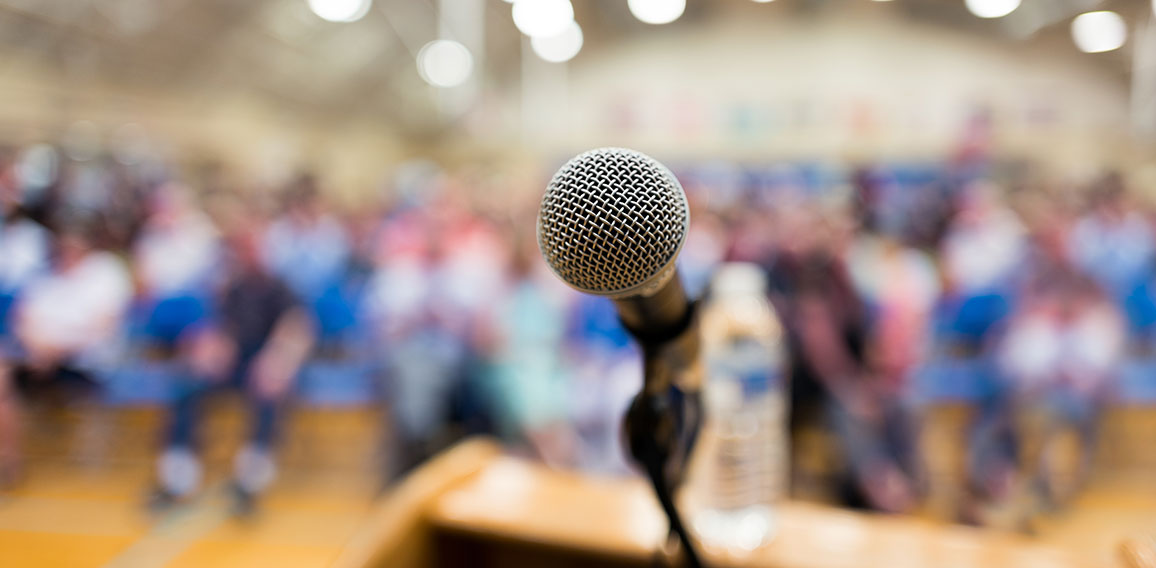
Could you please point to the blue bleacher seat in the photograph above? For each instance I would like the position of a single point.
(336, 313)
(336, 383)
(140, 382)
(1140, 305)
(1137, 381)
(976, 315)
(7, 300)
(955, 379)
(170, 317)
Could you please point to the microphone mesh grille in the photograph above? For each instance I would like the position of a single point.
(611, 219)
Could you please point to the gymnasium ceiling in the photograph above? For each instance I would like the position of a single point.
(280, 49)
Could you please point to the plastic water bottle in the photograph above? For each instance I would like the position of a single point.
(740, 468)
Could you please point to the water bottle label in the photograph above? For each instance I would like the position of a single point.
(760, 380)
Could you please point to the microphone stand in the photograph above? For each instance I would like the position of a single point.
(663, 420)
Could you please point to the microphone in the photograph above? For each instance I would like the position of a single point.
(611, 223)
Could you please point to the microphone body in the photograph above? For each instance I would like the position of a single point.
(611, 223)
(663, 314)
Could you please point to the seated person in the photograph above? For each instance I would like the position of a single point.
(307, 247)
(175, 257)
(65, 327)
(23, 256)
(1056, 359)
(1059, 355)
(257, 343)
(833, 379)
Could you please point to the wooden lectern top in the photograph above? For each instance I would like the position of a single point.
(481, 496)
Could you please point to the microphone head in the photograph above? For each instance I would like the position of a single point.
(612, 222)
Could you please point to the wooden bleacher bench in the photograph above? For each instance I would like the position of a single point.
(314, 439)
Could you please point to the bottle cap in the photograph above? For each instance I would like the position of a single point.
(739, 279)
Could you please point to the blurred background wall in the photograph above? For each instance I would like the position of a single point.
(272, 86)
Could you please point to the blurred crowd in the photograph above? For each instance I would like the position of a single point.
(899, 287)
(1030, 303)
(120, 284)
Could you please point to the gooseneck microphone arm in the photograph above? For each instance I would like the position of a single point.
(663, 421)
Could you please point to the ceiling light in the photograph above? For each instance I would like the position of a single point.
(340, 10)
(542, 18)
(445, 63)
(1096, 32)
(559, 48)
(657, 11)
(992, 8)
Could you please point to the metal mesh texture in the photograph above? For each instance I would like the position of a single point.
(611, 219)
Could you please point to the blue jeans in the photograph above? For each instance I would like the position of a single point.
(188, 400)
(892, 438)
(998, 437)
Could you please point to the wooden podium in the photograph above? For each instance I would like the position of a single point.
(472, 506)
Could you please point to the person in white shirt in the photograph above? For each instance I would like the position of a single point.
(65, 324)
(985, 243)
(177, 259)
(1060, 354)
(307, 247)
(23, 252)
(71, 314)
(23, 255)
(1113, 242)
